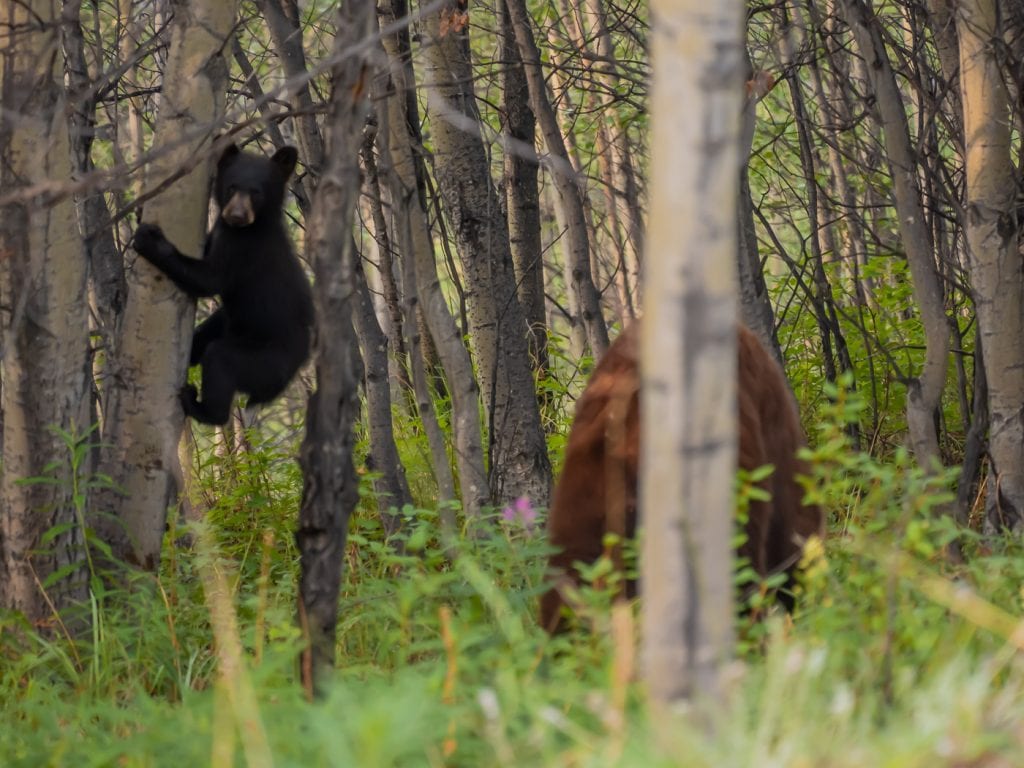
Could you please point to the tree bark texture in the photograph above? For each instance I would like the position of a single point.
(391, 315)
(519, 465)
(924, 392)
(569, 197)
(621, 187)
(402, 161)
(106, 265)
(282, 18)
(390, 486)
(561, 84)
(330, 489)
(522, 196)
(44, 321)
(423, 393)
(996, 266)
(145, 421)
(688, 354)
(406, 361)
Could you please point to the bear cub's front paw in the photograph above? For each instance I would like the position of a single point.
(189, 397)
(149, 241)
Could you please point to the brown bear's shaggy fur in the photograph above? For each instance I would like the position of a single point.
(597, 491)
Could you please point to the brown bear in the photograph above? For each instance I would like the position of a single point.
(597, 491)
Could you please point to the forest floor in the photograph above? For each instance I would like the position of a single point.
(897, 655)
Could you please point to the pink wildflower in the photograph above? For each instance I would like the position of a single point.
(521, 512)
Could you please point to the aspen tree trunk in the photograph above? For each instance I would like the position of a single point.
(373, 198)
(578, 344)
(519, 465)
(625, 190)
(407, 360)
(422, 392)
(330, 490)
(997, 269)
(282, 18)
(522, 194)
(390, 486)
(43, 319)
(688, 349)
(406, 174)
(146, 419)
(106, 265)
(569, 197)
(941, 19)
(924, 392)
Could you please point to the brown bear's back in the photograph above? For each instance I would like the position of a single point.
(597, 490)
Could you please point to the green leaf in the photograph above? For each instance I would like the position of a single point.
(56, 531)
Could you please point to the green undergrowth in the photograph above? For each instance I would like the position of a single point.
(898, 654)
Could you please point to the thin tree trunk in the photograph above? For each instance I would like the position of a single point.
(832, 90)
(106, 266)
(128, 145)
(566, 116)
(941, 19)
(997, 270)
(689, 335)
(568, 195)
(392, 302)
(755, 304)
(975, 439)
(282, 18)
(390, 487)
(519, 465)
(821, 299)
(43, 321)
(924, 392)
(439, 461)
(107, 286)
(611, 255)
(301, 186)
(403, 164)
(625, 189)
(330, 489)
(523, 196)
(145, 421)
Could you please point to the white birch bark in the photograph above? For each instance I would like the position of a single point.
(688, 348)
(146, 418)
(997, 271)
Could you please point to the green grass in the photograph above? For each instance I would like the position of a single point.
(897, 656)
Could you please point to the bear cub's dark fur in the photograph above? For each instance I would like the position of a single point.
(260, 335)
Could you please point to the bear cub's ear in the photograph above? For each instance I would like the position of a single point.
(285, 158)
(231, 151)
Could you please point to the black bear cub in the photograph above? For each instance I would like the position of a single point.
(260, 335)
